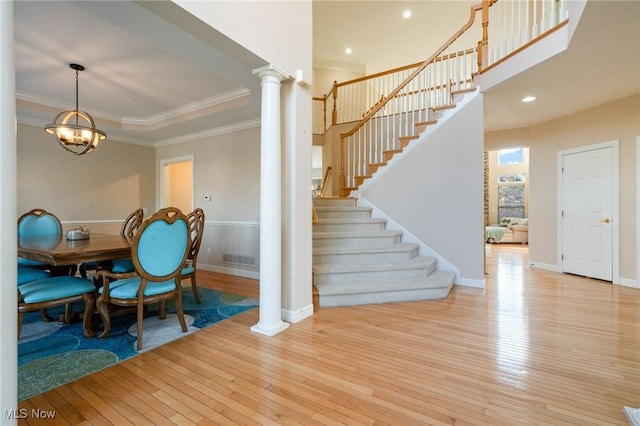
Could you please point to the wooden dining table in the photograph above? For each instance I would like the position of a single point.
(65, 255)
(63, 252)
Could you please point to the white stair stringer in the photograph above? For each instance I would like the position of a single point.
(357, 261)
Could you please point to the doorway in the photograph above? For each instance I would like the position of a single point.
(176, 180)
(588, 216)
(507, 188)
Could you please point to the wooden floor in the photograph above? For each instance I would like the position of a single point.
(535, 348)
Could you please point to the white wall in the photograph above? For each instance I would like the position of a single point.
(435, 191)
(227, 167)
(104, 186)
(277, 31)
(8, 218)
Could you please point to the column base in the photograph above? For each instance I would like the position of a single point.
(270, 331)
(633, 415)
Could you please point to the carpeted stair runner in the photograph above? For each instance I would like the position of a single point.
(357, 261)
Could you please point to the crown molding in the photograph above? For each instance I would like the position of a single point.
(149, 121)
(209, 133)
(190, 108)
(166, 142)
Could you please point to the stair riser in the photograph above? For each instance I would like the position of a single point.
(367, 258)
(334, 202)
(356, 242)
(348, 227)
(344, 214)
(385, 297)
(365, 276)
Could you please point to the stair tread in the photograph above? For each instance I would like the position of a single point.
(342, 208)
(417, 262)
(357, 234)
(387, 248)
(436, 280)
(349, 220)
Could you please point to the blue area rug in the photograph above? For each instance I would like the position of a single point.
(52, 353)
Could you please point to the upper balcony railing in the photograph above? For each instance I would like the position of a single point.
(387, 107)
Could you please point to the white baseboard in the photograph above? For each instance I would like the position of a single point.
(625, 282)
(298, 315)
(628, 282)
(545, 266)
(467, 282)
(230, 271)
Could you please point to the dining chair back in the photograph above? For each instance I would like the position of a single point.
(131, 224)
(196, 230)
(37, 223)
(128, 231)
(159, 251)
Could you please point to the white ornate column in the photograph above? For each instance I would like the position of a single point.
(8, 261)
(270, 204)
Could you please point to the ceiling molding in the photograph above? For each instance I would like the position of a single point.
(125, 138)
(152, 120)
(209, 133)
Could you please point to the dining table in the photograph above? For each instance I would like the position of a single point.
(64, 255)
(60, 251)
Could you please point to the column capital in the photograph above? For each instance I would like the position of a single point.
(271, 70)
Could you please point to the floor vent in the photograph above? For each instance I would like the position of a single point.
(238, 259)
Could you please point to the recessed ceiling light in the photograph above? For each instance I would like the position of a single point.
(348, 51)
(406, 14)
(528, 99)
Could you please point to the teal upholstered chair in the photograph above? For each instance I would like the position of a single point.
(27, 274)
(56, 291)
(196, 229)
(159, 251)
(37, 223)
(128, 231)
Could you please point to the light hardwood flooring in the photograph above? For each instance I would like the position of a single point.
(535, 348)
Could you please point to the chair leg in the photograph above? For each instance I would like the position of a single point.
(140, 315)
(68, 313)
(83, 270)
(163, 310)
(45, 316)
(20, 315)
(194, 287)
(103, 310)
(89, 307)
(180, 312)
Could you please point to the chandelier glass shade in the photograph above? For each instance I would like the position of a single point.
(75, 130)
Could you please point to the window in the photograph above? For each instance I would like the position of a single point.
(511, 156)
(510, 196)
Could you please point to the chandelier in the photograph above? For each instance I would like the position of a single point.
(75, 130)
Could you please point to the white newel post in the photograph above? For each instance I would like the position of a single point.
(8, 254)
(270, 322)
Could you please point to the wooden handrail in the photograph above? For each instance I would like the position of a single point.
(325, 179)
(396, 101)
(424, 64)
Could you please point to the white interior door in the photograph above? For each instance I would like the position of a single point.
(587, 213)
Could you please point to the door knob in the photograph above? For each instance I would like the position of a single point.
(605, 220)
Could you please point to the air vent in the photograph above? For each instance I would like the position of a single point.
(238, 259)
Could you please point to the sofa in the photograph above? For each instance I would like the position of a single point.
(519, 228)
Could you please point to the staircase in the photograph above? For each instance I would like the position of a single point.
(357, 261)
